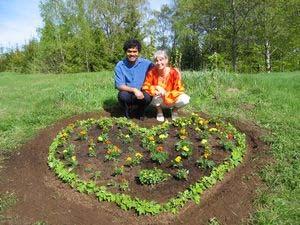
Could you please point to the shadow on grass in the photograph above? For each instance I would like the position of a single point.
(113, 107)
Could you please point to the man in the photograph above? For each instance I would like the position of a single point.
(129, 77)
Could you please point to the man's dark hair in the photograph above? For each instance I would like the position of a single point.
(132, 43)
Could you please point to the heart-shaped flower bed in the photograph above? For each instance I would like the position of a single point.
(151, 170)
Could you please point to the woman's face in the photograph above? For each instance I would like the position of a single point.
(161, 62)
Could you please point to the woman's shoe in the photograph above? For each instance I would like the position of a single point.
(160, 117)
(174, 115)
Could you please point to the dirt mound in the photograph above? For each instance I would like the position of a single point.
(42, 197)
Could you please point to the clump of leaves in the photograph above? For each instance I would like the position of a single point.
(124, 185)
(119, 170)
(152, 176)
(204, 163)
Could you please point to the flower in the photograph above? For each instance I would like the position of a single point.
(185, 148)
(116, 148)
(178, 159)
(230, 136)
(138, 155)
(213, 129)
(151, 138)
(206, 154)
(159, 148)
(128, 159)
(107, 142)
(204, 141)
(83, 132)
(162, 136)
(73, 157)
(197, 129)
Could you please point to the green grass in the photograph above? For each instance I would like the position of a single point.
(31, 102)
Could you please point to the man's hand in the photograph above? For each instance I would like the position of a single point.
(138, 94)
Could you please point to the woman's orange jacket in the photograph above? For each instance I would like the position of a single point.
(173, 85)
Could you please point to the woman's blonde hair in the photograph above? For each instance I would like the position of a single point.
(160, 53)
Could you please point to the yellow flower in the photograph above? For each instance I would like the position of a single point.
(182, 137)
(201, 121)
(74, 158)
(64, 135)
(116, 149)
(151, 138)
(206, 154)
(128, 159)
(185, 148)
(197, 129)
(182, 131)
(178, 159)
(127, 136)
(204, 141)
(139, 155)
(213, 129)
(83, 132)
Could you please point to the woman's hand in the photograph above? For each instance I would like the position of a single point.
(160, 91)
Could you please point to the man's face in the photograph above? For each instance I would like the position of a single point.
(132, 54)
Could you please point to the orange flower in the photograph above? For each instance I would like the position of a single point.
(160, 148)
(230, 136)
(108, 142)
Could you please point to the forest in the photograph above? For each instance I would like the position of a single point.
(233, 35)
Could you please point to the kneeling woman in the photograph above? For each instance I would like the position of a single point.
(165, 85)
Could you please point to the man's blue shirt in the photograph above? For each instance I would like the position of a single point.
(132, 75)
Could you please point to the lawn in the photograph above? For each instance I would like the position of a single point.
(31, 102)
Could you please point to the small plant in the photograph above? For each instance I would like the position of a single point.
(119, 170)
(185, 148)
(152, 176)
(69, 151)
(162, 138)
(126, 138)
(135, 160)
(102, 137)
(204, 163)
(182, 174)
(113, 152)
(227, 141)
(124, 185)
(96, 175)
(159, 155)
(92, 148)
(82, 134)
(182, 134)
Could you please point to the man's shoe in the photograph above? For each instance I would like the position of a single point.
(127, 111)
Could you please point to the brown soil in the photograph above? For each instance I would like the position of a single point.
(42, 197)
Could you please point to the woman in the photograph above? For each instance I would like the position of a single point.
(165, 85)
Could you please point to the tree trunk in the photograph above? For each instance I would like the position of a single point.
(234, 34)
(268, 56)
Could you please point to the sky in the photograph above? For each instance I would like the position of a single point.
(19, 20)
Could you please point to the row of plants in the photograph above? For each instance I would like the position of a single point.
(64, 162)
